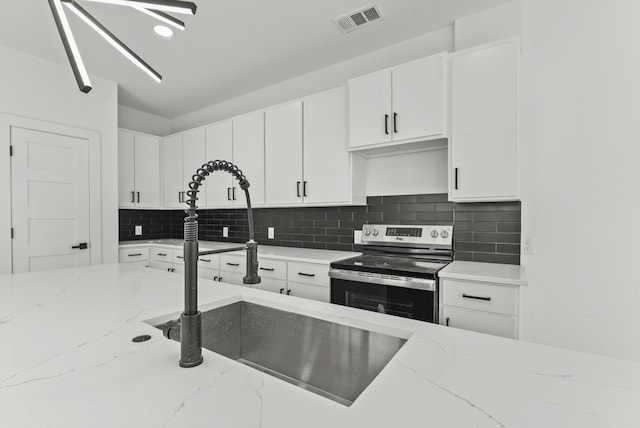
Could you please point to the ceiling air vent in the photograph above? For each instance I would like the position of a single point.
(358, 18)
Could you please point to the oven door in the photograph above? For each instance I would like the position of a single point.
(414, 298)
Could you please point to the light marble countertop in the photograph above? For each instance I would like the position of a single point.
(306, 255)
(67, 360)
(486, 272)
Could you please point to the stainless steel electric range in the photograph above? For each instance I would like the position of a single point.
(397, 273)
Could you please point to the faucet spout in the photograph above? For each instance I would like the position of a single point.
(191, 318)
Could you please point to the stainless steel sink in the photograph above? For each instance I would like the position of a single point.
(332, 360)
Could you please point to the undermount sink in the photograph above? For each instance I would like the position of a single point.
(333, 360)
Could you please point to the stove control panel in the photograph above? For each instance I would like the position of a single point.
(399, 235)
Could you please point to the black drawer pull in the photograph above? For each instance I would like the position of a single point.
(281, 290)
(468, 296)
(162, 254)
(233, 264)
(306, 274)
(179, 257)
(134, 255)
(205, 260)
(267, 269)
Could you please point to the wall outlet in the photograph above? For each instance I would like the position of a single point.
(357, 237)
(271, 232)
(225, 232)
(138, 230)
(527, 245)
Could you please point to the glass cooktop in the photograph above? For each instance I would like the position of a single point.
(392, 265)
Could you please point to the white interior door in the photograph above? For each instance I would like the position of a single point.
(50, 200)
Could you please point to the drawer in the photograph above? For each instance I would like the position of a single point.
(482, 322)
(210, 262)
(275, 269)
(178, 256)
(232, 277)
(131, 255)
(309, 291)
(480, 296)
(308, 273)
(159, 254)
(231, 263)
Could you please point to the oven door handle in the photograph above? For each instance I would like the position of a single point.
(374, 278)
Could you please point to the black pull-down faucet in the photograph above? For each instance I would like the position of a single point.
(190, 329)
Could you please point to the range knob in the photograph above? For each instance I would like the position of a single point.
(434, 233)
(444, 234)
(375, 232)
(367, 232)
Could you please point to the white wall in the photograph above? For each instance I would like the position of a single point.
(580, 135)
(321, 80)
(487, 26)
(137, 120)
(38, 89)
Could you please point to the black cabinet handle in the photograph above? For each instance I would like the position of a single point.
(228, 193)
(395, 122)
(219, 279)
(281, 290)
(133, 199)
(205, 260)
(233, 264)
(233, 193)
(267, 269)
(173, 270)
(298, 188)
(84, 246)
(129, 255)
(386, 124)
(179, 197)
(138, 196)
(304, 189)
(468, 296)
(456, 179)
(215, 278)
(179, 257)
(288, 292)
(306, 274)
(162, 254)
(447, 322)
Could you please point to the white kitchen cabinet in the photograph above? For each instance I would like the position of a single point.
(172, 172)
(232, 268)
(483, 162)
(404, 104)
(327, 164)
(283, 154)
(137, 255)
(138, 170)
(480, 306)
(193, 157)
(248, 155)
(219, 146)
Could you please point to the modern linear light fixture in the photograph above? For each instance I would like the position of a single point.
(156, 9)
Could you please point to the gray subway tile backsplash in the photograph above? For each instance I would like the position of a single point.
(483, 232)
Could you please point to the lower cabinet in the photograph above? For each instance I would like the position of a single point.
(480, 306)
(137, 255)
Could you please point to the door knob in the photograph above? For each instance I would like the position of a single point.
(81, 246)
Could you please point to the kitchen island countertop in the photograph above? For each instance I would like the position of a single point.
(67, 360)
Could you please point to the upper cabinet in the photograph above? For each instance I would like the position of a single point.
(219, 146)
(138, 170)
(404, 104)
(193, 157)
(484, 111)
(307, 160)
(248, 155)
(173, 192)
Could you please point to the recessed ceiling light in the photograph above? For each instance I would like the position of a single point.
(163, 31)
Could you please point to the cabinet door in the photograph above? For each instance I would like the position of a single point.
(484, 123)
(272, 285)
(482, 322)
(283, 154)
(126, 168)
(326, 152)
(219, 146)
(172, 172)
(248, 155)
(309, 291)
(147, 171)
(370, 109)
(418, 90)
(193, 157)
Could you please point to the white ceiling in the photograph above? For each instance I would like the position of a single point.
(230, 47)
